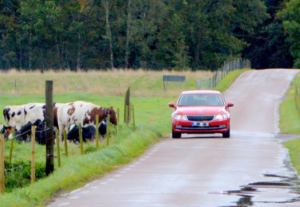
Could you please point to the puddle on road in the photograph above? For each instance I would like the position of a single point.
(247, 192)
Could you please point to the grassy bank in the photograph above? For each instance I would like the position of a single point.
(289, 116)
(290, 122)
(229, 79)
(152, 119)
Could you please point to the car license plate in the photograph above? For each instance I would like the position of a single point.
(200, 124)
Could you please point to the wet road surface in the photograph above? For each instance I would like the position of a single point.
(249, 169)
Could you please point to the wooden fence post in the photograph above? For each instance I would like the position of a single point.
(2, 164)
(107, 129)
(127, 105)
(33, 154)
(118, 119)
(58, 148)
(133, 119)
(130, 114)
(126, 111)
(97, 131)
(49, 117)
(66, 143)
(11, 146)
(80, 138)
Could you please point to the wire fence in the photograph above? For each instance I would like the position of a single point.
(8, 172)
(11, 170)
(209, 83)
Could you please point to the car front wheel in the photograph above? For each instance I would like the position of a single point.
(176, 134)
(227, 134)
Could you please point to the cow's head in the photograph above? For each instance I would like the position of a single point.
(6, 114)
(113, 117)
(7, 131)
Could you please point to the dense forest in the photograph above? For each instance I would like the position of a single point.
(150, 34)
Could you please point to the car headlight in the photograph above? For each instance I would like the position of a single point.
(180, 117)
(222, 117)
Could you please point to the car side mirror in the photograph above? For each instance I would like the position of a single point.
(172, 104)
(229, 104)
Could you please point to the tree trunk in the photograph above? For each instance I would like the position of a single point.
(197, 51)
(108, 33)
(78, 53)
(58, 54)
(127, 34)
(30, 53)
(42, 61)
(21, 56)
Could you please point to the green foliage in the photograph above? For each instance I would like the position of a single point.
(180, 35)
(90, 149)
(268, 47)
(18, 174)
(291, 22)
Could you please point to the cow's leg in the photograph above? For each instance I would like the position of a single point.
(60, 130)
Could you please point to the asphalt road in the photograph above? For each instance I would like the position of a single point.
(249, 169)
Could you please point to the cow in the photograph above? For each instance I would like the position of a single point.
(6, 130)
(88, 132)
(14, 116)
(83, 113)
(24, 134)
(34, 111)
(18, 116)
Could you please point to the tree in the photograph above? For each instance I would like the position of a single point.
(268, 47)
(8, 28)
(291, 23)
(106, 5)
(39, 21)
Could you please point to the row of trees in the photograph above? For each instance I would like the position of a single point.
(160, 34)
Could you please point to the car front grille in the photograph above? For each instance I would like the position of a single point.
(201, 118)
(200, 128)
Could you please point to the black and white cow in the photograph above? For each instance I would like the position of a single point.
(88, 132)
(24, 134)
(18, 116)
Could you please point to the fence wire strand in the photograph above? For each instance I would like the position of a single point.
(209, 83)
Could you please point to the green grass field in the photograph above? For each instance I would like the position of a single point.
(153, 121)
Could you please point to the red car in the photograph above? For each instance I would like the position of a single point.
(199, 112)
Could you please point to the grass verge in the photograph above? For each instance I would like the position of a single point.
(290, 121)
(226, 82)
(289, 116)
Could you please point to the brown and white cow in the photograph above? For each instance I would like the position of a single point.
(83, 113)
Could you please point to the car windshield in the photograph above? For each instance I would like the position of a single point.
(201, 100)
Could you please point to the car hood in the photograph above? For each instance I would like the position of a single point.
(200, 110)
